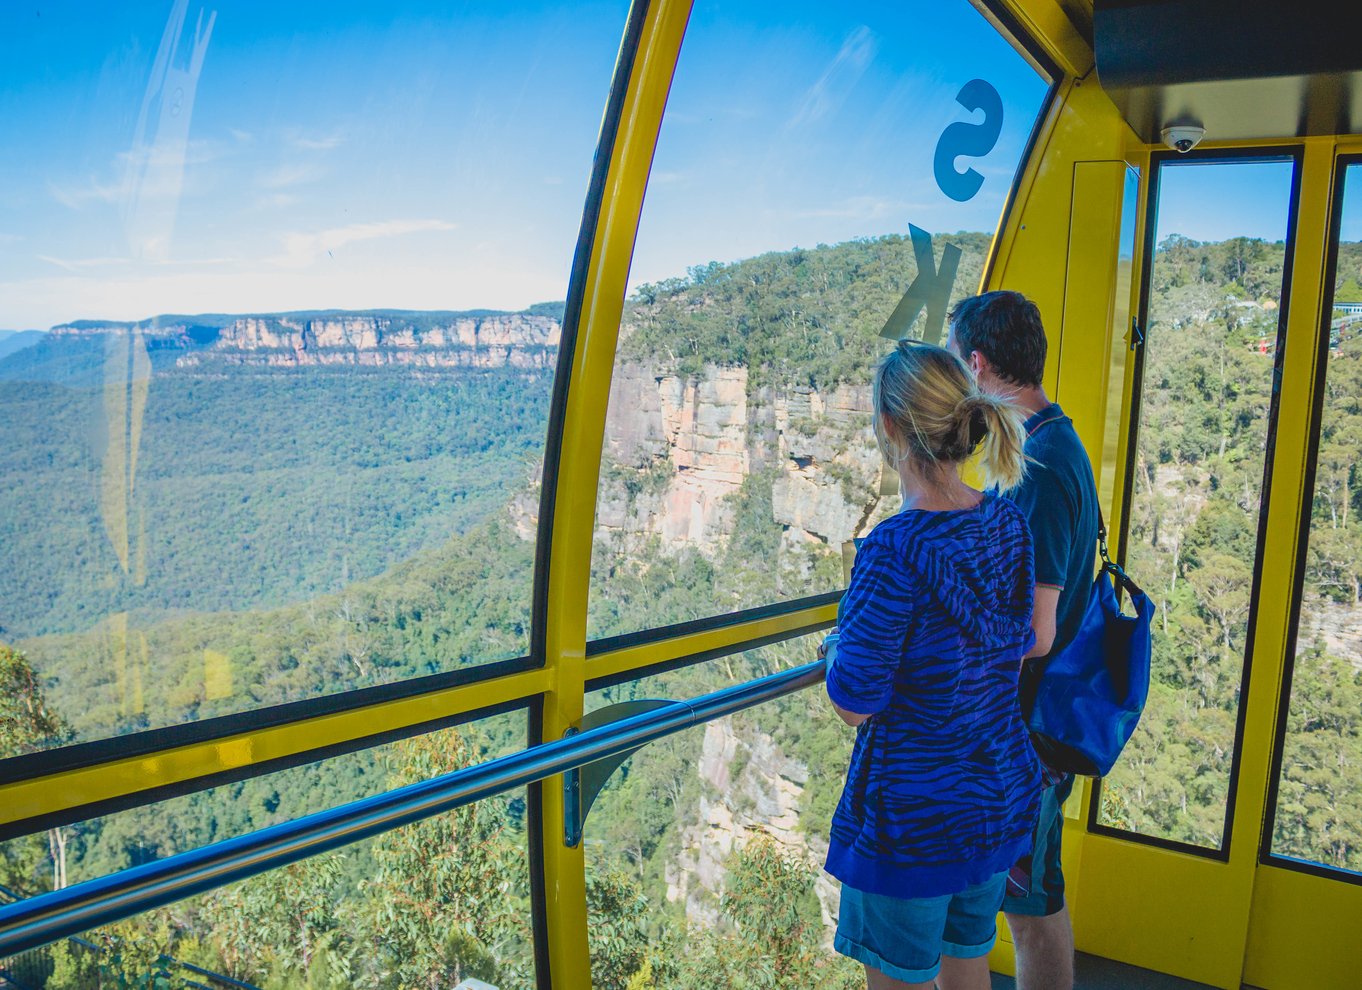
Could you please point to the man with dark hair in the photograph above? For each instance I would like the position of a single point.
(1000, 336)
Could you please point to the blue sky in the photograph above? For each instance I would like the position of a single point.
(198, 157)
(1212, 201)
(330, 154)
(436, 154)
(822, 128)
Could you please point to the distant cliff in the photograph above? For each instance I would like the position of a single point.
(428, 339)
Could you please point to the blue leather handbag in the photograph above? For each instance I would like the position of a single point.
(1089, 696)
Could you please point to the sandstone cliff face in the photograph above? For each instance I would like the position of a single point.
(367, 333)
(678, 448)
(762, 796)
(515, 340)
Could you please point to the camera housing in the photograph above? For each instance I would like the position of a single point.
(1182, 138)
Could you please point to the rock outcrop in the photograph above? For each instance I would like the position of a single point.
(678, 449)
(761, 795)
(286, 340)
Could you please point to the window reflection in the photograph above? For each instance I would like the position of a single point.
(1318, 812)
(277, 431)
(1215, 299)
(819, 181)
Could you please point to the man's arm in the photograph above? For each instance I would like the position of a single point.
(1043, 621)
(1051, 508)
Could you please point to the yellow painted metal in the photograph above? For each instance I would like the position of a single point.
(1047, 23)
(1031, 253)
(1304, 932)
(1190, 915)
(579, 467)
(1167, 911)
(74, 788)
(1096, 314)
(725, 638)
(1314, 957)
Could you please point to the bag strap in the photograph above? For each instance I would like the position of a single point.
(1108, 565)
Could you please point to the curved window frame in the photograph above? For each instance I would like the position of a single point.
(1011, 30)
(523, 680)
(1266, 856)
(1295, 153)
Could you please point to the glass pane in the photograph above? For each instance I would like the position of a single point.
(1214, 307)
(1318, 814)
(325, 479)
(73, 853)
(429, 904)
(705, 851)
(815, 176)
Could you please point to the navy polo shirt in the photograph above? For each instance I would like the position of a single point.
(1059, 499)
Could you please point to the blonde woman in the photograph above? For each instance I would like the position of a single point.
(943, 785)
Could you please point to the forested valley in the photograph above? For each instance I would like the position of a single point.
(296, 530)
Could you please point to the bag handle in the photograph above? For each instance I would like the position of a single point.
(1108, 565)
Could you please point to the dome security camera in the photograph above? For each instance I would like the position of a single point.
(1182, 138)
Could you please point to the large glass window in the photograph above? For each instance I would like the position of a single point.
(823, 174)
(282, 294)
(429, 904)
(705, 851)
(1318, 811)
(1214, 312)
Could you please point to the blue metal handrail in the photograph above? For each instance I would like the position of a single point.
(62, 913)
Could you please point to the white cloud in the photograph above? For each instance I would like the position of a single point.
(289, 174)
(852, 208)
(302, 249)
(76, 196)
(275, 201)
(322, 143)
(843, 72)
(146, 172)
(80, 264)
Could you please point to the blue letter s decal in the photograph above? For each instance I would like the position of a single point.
(969, 140)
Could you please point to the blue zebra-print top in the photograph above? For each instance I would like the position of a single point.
(943, 787)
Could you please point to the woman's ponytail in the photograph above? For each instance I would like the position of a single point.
(1003, 439)
(929, 407)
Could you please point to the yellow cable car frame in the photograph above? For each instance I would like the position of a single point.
(1235, 916)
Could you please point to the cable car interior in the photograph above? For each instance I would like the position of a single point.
(435, 437)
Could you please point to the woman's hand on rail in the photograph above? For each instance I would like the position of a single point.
(823, 646)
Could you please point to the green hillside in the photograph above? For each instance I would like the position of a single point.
(413, 476)
(252, 489)
(810, 316)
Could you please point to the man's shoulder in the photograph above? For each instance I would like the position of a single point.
(1057, 455)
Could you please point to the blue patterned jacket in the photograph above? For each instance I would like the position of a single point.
(943, 787)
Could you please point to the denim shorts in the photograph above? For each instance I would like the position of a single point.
(1043, 866)
(905, 937)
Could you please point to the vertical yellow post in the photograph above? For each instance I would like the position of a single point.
(658, 45)
(1288, 502)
